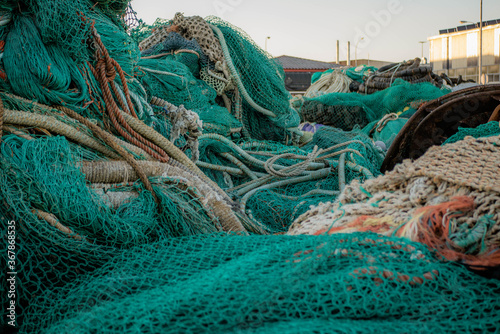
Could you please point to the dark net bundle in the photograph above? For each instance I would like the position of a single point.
(348, 110)
(175, 47)
(345, 283)
(263, 80)
(66, 227)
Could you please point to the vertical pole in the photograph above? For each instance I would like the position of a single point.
(481, 45)
(348, 54)
(338, 52)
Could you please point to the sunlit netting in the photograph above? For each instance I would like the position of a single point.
(484, 130)
(346, 110)
(276, 196)
(175, 47)
(143, 30)
(263, 79)
(67, 226)
(358, 283)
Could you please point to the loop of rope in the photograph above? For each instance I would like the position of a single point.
(298, 169)
(383, 122)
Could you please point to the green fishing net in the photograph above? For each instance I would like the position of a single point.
(346, 110)
(41, 175)
(263, 79)
(172, 81)
(345, 283)
(175, 47)
(484, 130)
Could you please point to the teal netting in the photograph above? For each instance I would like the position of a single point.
(346, 110)
(172, 81)
(263, 79)
(41, 176)
(347, 283)
(484, 130)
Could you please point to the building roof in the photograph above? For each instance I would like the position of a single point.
(295, 63)
(469, 27)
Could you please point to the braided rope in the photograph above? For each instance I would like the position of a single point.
(105, 73)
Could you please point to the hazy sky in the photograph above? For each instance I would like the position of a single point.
(391, 29)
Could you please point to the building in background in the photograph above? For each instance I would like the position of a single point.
(298, 72)
(368, 62)
(455, 51)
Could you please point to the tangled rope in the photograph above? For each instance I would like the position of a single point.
(334, 82)
(184, 122)
(105, 72)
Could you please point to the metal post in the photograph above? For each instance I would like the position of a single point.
(348, 54)
(268, 37)
(481, 45)
(338, 52)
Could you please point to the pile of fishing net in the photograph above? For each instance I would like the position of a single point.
(339, 80)
(230, 69)
(449, 200)
(344, 283)
(137, 178)
(410, 71)
(348, 111)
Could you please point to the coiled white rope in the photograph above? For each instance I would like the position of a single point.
(334, 82)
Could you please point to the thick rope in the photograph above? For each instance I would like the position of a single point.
(108, 139)
(105, 72)
(54, 125)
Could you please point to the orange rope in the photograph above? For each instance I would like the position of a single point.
(433, 231)
(105, 72)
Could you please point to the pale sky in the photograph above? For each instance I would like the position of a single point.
(310, 29)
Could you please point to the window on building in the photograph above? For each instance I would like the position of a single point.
(472, 44)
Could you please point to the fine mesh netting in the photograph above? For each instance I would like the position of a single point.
(40, 176)
(358, 283)
(484, 130)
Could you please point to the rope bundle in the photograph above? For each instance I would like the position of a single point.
(334, 82)
(410, 71)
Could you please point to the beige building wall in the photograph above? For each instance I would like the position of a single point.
(457, 53)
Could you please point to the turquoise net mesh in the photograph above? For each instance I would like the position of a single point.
(86, 265)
